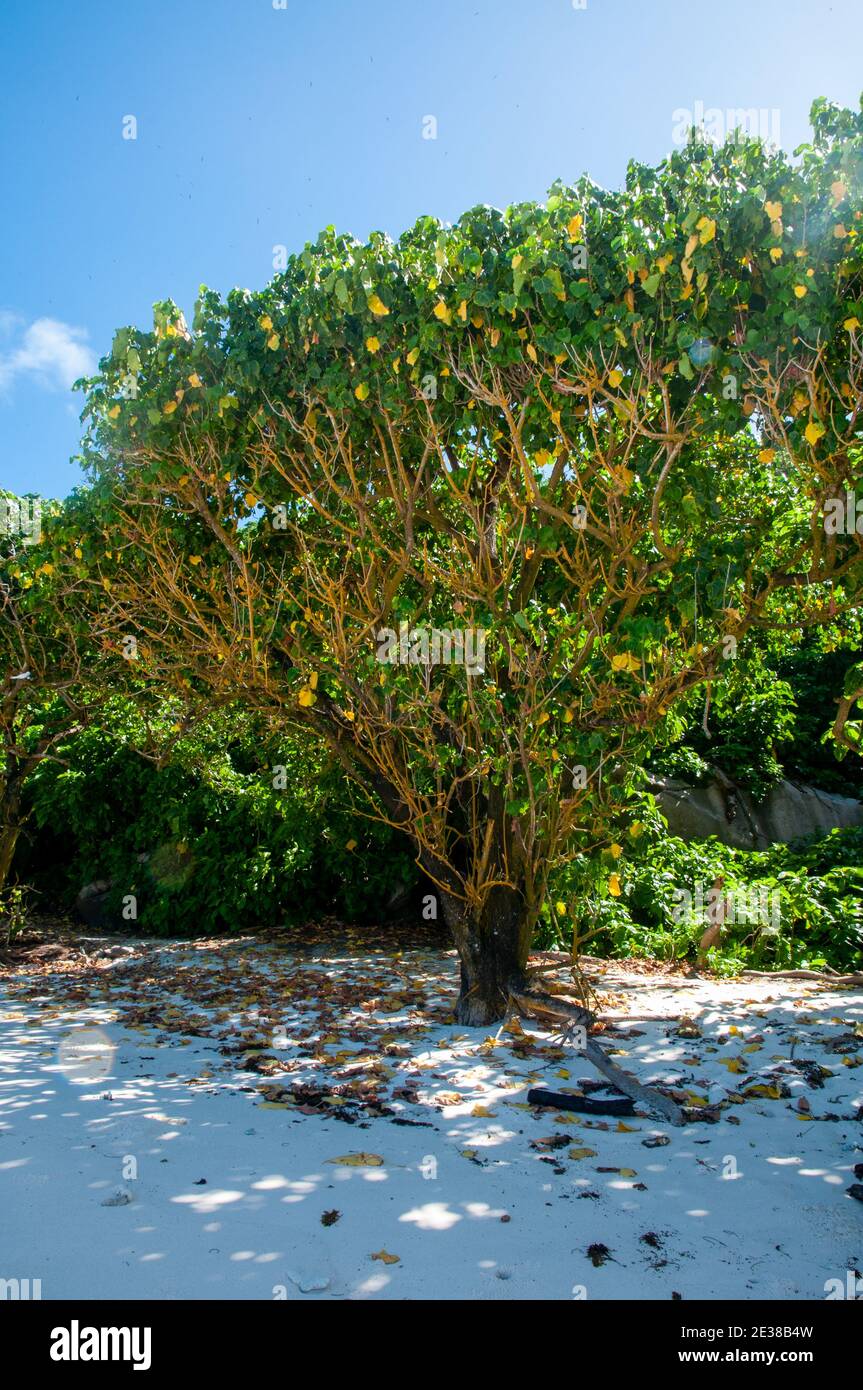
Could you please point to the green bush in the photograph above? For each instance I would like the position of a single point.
(804, 903)
(206, 843)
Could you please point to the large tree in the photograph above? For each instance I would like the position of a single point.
(602, 431)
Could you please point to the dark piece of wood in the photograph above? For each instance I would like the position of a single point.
(647, 1097)
(586, 1105)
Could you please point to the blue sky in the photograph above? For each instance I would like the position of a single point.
(257, 126)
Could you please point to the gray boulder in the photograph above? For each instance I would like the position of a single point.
(721, 808)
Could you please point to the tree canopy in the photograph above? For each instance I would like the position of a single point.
(601, 431)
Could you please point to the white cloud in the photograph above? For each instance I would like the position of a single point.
(53, 353)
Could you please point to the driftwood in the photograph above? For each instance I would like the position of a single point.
(644, 1096)
(587, 1105)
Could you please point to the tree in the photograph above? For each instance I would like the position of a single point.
(601, 432)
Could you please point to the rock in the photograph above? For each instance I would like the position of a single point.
(98, 906)
(120, 1197)
(789, 812)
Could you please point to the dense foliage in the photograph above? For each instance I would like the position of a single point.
(603, 431)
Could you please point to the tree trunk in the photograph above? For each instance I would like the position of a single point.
(9, 832)
(492, 948)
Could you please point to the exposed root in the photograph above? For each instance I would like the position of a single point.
(649, 1099)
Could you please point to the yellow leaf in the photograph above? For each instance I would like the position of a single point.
(766, 455)
(838, 189)
(573, 226)
(494, 336)
(813, 432)
(170, 407)
(801, 291)
(373, 344)
(625, 1129)
(385, 1257)
(351, 845)
(358, 1160)
(733, 1064)
(377, 306)
(195, 380)
(273, 341)
(625, 661)
(442, 312)
(266, 323)
(462, 311)
(614, 885)
(776, 253)
(850, 324)
(361, 392)
(194, 559)
(113, 412)
(307, 697)
(582, 1153)
(413, 356)
(531, 352)
(707, 228)
(560, 909)
(615, 378)
(773, 210)
(482, 1112)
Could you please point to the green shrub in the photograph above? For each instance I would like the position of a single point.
(804, 903)
(206, 843)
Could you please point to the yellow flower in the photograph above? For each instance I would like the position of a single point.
(373, 344)
(801, 291)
